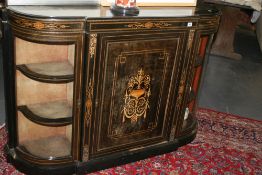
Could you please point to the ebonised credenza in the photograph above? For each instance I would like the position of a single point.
(86, 90)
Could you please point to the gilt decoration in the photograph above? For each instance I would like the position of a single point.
(149, 25)
(88, 103)
(40, 25)
(137, 97)
(92, 45)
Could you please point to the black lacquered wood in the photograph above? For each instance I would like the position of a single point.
(44, 121)
(44, 78)
(9, 80)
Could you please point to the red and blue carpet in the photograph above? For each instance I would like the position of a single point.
(225, 144)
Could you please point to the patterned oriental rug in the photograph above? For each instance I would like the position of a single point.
(225, 144)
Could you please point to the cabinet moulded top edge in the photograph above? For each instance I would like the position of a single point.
(49, 25)
(92, 12)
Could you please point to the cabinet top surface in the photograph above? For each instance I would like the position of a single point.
(104, 12)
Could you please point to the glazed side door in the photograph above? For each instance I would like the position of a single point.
(136, 77)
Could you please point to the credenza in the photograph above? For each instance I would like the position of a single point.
(86, 90)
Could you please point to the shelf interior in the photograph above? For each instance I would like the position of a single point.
(57, 113)
(50, 63)
(44, 97)
(52, 68)
(48, 148)
(52, 110)
(44, 141)
(51, 72)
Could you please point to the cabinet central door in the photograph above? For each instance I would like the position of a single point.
(137, 78)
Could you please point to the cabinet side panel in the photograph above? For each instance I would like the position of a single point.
(198, 70)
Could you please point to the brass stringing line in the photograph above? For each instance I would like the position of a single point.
(183, 77)
(166, 57)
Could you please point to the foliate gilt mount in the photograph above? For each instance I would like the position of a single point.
(149, 25)
(137, 97)
(88, 104)
(40, 25)
(92, 45)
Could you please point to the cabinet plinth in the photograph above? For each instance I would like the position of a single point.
(92, 91)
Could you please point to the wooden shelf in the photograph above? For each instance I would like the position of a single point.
(58, 113)
(51, 72)
(48, 148)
